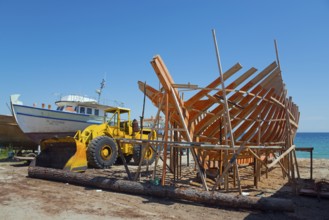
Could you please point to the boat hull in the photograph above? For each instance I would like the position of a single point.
(11, 134)
(39, 123)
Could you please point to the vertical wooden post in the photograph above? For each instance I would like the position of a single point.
(226, 164)
(145, 148)
(259, 166)
(255, 173)
(123, 159)
(289, 137)
(285, 163)
(171, 154)
(221, 143)
(266, 155)
(234, 175)
(227, 113)
(197, 162)
(158, 149)
(289, 141)
(175, 154)
(311, 163)
(164, 167)
(180, 157)
(256, 163)
(225, 155)
(295, 159)
(285, 160)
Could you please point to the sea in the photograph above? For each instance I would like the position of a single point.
(318, 140)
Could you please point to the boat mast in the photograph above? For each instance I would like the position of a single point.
(99, 91)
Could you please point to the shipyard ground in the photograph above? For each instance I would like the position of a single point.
(26, 198)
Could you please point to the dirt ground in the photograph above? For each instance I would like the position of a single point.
(22, 197)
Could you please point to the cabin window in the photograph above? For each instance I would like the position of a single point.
(97, 112)
(82, 110)
(89, 111)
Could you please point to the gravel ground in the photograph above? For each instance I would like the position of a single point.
(22, 197)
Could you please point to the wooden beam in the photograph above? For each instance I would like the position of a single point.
(231, 163)
(214, 84)
(281, 156)
(189, 138)
(164, 166)
(227, 113)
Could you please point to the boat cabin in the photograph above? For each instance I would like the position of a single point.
(79, 109)
(80, 105)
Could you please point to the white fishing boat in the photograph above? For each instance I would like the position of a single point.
(73, 113)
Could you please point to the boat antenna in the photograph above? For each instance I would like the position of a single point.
(99, 91)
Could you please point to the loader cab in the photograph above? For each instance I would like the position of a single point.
(119, 118)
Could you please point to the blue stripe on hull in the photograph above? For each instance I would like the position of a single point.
(60, 119)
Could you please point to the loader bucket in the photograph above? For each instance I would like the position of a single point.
(62, 153)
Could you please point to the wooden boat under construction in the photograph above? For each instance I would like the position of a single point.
(257, 104)
(257, 107)
(239, 108)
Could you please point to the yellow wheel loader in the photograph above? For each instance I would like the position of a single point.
(95, 146)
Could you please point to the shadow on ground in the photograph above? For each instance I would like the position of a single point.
(304, 207)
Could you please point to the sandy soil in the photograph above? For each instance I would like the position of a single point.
(26, 198)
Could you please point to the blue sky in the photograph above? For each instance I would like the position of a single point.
(53, 48)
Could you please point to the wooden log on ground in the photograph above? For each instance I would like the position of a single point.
(212, 198)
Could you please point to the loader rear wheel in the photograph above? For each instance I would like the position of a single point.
(127, 158)
(149, 155)
(102, 152)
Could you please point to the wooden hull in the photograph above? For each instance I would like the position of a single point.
(260, 112)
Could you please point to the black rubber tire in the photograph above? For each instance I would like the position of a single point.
(127, 157)
(94, 152)
(151, 155)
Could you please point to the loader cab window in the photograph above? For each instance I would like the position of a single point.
(124, 117)
(113, 121)
(124, 122)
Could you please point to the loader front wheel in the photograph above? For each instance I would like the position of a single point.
(102, 152)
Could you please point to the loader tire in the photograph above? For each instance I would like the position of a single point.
(127, 158)
(102, 152)
(149, 156)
